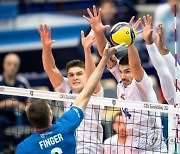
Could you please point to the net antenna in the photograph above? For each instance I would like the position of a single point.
(176, 76)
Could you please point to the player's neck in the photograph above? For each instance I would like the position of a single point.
(122, 139)
(37, 130)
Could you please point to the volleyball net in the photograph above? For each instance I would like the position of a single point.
(110, 125)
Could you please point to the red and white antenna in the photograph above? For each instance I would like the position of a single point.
(176, 81)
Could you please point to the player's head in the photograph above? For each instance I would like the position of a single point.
(125, 71)
(118, 125)
(76, 75)
(11, 64)
(39, 114)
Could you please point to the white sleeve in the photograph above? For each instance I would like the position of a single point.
(145, 83)
(107, 146)
(166, 80)
(64, 86)
(115, 71)
(170, 62)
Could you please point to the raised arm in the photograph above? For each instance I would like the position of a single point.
(158, 61)
(168, 57)
(135, 63)
(49, 65)
(83, 98)
(89, 64)
(98, 28)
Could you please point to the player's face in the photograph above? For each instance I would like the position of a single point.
(11, 65)
(126, 74)
(119, 126)
(77, 79)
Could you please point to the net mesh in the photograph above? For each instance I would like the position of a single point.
(110, 126)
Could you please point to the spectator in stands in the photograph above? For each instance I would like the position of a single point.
(120, 142)
(11, 107)
(164, 14)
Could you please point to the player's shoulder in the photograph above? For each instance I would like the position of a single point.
(25, 146)
(111, 139)
(21, 148)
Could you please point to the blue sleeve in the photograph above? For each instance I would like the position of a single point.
(72, 118)
(19, 149)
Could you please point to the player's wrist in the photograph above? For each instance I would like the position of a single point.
(149, 41)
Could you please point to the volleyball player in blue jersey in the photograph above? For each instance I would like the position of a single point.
(60, 137)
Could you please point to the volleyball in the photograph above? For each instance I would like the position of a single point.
(122, 32)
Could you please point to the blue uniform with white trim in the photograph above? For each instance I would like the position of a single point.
(59, 139)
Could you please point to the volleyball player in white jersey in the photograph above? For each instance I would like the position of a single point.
(89, 133)
(134, 84)
(165, 77)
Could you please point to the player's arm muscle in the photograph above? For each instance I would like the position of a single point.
(135, 63)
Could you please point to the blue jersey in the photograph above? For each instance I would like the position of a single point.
(59, 139)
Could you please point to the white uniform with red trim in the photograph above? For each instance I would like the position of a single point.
(90, 132)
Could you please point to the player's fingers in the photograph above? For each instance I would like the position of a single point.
(41, 27)
(86, 18)
(95, 11)
(99, 13)
(145, 20)
(45, 28)
(106, 27)
(141, 24)
(49, 31)
(39, 31)
(53, 41)
(82, 34)
(136, 25)
(89, 12)
(108, 45)
(131, 20)
(150, 21)
(120, 47)
(139, 32)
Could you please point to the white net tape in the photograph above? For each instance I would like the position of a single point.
(142, 123)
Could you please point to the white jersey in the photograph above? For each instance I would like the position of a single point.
(163, 72)
(112, 146)
(170, 62)
(143, 126)
(90, 132)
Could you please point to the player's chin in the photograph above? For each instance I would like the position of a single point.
(77, 88)
(126, 83)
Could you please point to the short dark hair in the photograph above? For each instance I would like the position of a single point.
(124, 60)
(38, 113)
(117, 114)
(75, 63)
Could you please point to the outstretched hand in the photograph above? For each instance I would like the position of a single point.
(136, 25)
(45, 34)
(160, 41)
(95, 20)
(109, 52)
(147, 28)
(87, 41)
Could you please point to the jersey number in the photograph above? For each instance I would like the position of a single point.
(56, 151)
